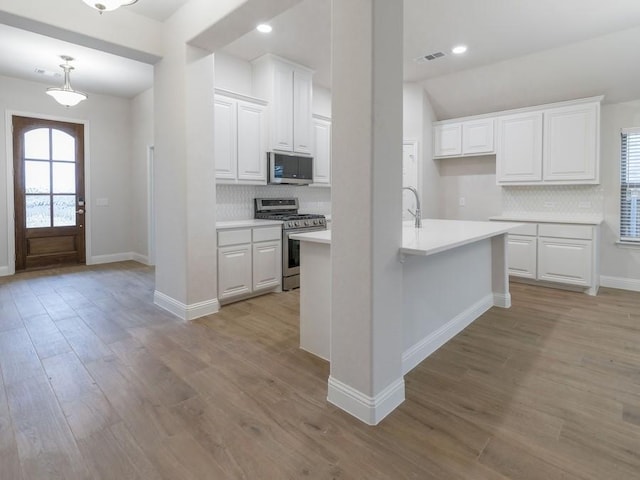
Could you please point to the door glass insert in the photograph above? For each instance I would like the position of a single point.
(36, 144)
(38, 211)
(64, 177)
(49, 168)
(37, 177)
(64, 210)
(63, 146)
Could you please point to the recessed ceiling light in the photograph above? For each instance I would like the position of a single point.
(459, 49)
(264, 28)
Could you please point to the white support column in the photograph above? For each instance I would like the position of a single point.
(186, 264)
(366, 328)
(500, 272)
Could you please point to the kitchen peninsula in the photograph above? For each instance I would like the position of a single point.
(453, 271)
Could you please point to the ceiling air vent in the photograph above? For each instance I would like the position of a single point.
(429, 57)
(46, 73)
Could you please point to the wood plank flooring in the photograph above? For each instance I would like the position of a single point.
(98, 383)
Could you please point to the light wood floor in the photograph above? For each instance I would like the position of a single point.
(97, 383)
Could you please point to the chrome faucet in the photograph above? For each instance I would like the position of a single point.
(418, 213)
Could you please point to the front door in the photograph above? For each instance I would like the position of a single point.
(48, 165)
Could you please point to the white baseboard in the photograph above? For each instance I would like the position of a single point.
(425, 347)
(183, 311)
(5, 271)
(632, 284)
(502, 300)
(370, 410)
(137, 257)
(111, 258)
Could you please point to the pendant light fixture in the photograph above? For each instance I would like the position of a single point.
(108, 5)
(66, 95)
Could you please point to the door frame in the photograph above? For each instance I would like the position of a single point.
(11, 224)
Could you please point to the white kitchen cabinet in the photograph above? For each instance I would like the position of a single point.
(234, 271)
(266, 265)
(288, 88)
(239, 140)
(519, 148)
(321, 151)
(566, 151)
(447, 140)
(478, 136)
(565, 260)
(459, 139)
(521, 256)
(249, 261)
(571, 143)
(564, 254)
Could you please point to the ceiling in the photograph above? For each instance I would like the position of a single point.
(573, 44)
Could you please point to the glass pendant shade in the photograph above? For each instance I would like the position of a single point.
(108, 5)
(66, 95)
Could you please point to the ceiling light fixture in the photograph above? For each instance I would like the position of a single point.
(66, 95)
(264, 28)
(459, 49)
(108, 5)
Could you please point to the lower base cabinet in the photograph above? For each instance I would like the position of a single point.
(565, 254)
(249, 262)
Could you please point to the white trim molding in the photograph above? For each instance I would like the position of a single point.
(502, 300)
(370, 410)
(138, 257)
(429, 344)
(183, 311)
(632, 284)
(5, 271)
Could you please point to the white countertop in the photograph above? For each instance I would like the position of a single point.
(435, 235)
(541, 218)
(250, 223)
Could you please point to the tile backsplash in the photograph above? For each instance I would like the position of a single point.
(573, 200)
(235, 202)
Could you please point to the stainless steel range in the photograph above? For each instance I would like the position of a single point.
(286, 210)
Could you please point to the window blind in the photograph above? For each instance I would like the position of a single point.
(630, 185)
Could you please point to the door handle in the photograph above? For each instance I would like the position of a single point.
(80, 211)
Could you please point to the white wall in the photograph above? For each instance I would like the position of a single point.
(321, 101)
(233, 74)
(107, 150)
(142, 139)
(617, 261)
(417, 118)
(472, 181)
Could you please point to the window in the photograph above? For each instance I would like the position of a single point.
(630, 185)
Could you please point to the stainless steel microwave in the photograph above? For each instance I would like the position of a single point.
(289, 169)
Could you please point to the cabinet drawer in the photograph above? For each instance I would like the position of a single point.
(530, 229)
(234, 237)
(584, 232)
(264, 234)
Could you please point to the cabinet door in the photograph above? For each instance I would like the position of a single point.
(224, 137)
(565, 260)
(252, 159)
(519, 149)
(447, 140)
(321, 152)
(302, 92)
(571, 143)
(234, 271)
(521, 256)
(477, 137)
(267, 265)
(282, 108)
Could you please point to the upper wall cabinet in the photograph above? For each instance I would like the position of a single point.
(321, 151)
(456, 139)
(558, 145)
(288, 88)
(519, 157)
(239, 139)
